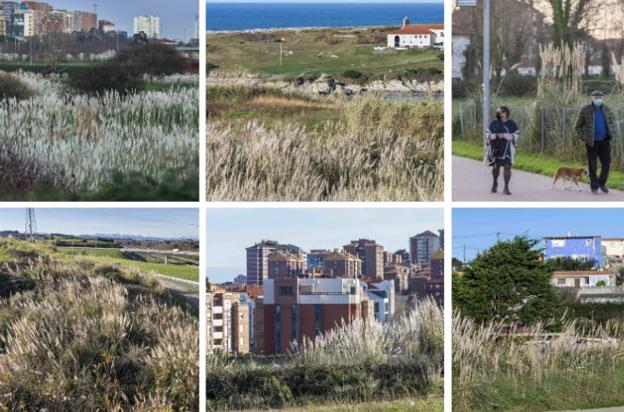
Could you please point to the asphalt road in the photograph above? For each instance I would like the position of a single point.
(472, 183)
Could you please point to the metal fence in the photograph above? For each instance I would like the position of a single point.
(543, 130)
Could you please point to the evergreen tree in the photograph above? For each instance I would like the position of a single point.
(508, 282)
(568, 264)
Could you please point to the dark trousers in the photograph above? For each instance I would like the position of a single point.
(602, 151)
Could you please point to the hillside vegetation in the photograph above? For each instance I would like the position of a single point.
(310, 53)
(77, 335)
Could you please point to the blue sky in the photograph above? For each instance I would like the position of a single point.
(230, 231)
(169, 223)
(174, 16)
(476, 228)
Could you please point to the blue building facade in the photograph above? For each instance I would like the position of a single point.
(581, 248)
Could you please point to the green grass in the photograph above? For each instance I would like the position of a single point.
(434, 404)
(312, 55)
(115, 256)
(535, 163)
(588, 389)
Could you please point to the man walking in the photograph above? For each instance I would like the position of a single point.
(596, 126)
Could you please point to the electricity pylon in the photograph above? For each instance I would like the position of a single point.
(30, 227)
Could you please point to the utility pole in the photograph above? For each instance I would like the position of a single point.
(487, 11)
(30, 226)
(464, 253)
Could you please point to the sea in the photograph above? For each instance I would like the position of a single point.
(250, 16)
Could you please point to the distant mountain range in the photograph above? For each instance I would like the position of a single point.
(125, 236)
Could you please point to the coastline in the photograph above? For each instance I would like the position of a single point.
(296, 29)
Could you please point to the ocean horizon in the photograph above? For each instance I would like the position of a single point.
(263, 16)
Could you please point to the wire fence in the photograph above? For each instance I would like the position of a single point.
(543, 130)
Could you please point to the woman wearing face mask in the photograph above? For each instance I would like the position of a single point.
(501, 138)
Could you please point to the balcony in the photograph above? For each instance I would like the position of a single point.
(217, 309)
(217, 335)
(217, 322)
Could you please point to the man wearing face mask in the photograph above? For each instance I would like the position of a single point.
(501, 139)
(595, 126)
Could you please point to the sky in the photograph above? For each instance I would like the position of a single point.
(175, 16)
(166, 223)
(476, 228)
(232, 230)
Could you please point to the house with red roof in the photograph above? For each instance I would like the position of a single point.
(417, 35)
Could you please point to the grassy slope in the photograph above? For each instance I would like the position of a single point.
(312, 56)
(115, 256)
(535, 163)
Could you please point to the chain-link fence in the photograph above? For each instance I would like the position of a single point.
(543, 130)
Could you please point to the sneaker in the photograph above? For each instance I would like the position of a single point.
(506, 191)
(604, 189)
(495, 188)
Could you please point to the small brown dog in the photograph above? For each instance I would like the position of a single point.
(569, 174)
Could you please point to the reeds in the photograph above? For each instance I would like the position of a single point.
(377, 151)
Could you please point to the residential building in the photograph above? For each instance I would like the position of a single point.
(400, 275)
(371, 255)
(382, 294)
(342, 265)
(54, 22)
(437, 264)
(8, 8)
(316, 259)
(23, 23)
(298, 309)
(3, 24)
(581, 248)
(150, 25)
(416, 35)
(405, 256)
(441, 238)
(583, 279)
(285, 265)
(392, 258)
(422, 247)
(106, 26)
(258, 259)
(85, 21)
(258, 325)
(435, 290)
(612, 247)
(227, 321)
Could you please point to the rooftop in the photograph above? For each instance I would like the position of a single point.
(419, 29)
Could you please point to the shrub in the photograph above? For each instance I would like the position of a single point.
(515, 84)
(103, 77)
(352, 74)
(153, 59)
(12, 87)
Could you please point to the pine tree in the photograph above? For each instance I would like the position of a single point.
(509, 282)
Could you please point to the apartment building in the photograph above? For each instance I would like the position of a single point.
(316, 260)
(437, 264)
(285, 265)
(150, 25)
(422, 247)
(400, 275)
(342, 265)
(612, 247)
(583, 279)
(3, 25)
(298, 309)
(371, 255)
(85, 21)
(227, 321)
(258, 259)
(383, 296)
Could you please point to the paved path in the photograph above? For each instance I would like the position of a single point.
(190, 290)
(472, 182)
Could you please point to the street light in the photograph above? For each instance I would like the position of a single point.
(486, 56)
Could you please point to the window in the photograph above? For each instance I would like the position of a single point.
(294, 323)
(561, 282)
(376, 307)
(557, 242)
(278, 329)
(241, 342)
(588, 242)
(285, 291)
(317, 320)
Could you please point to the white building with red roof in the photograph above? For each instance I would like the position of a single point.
(417, 35)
